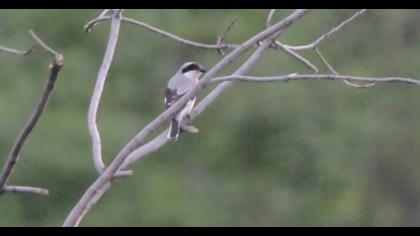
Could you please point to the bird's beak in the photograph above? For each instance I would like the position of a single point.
(202, 70)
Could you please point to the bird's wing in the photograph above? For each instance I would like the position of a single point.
(181, 83)
(171, 96)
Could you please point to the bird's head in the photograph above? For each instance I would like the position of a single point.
(192, 70)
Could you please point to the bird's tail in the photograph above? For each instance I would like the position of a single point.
(174, 129)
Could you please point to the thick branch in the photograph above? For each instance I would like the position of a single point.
(84, 203)
(97, 93)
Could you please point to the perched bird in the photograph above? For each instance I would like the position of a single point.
(181, 83)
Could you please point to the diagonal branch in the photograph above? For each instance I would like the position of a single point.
(55, 68)
(43, 45)
(269, 17)
(97, 93)
(221, 39)
(102, 183)
(328, 34)
(348, 82)
(297, 56)
(325, 62)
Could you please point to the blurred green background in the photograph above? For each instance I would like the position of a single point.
(306, 153)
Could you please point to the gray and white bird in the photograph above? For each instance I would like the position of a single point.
(181, 83)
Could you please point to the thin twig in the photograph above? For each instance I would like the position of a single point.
(17, 52)
(24, 190)
(166, 34)
(297, 56)
(295, 76)
(328, 34)
(177, 38)
(221, 39)
(325, 61)
(348, 82)
(42, 44)
(228, 29)
(85, 203)
(55, 68)
(92, 23)
(97, 93)
(269, 17)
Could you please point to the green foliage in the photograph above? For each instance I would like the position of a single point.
(307, 153)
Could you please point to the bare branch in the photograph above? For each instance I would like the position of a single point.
(85, 203)
(15, 51)
(177, 38)
(292, 77)
(24, 190)
(348, 82)
(42, 44)
(97, 93)
(328, 34)
(297, 56)
(55, 68)
(166, 34)
(92, 23)
(228, 29)
(325, 62)
(146, 149)
(37, 41)
(98, 194)
(269, 17)
(221, 39)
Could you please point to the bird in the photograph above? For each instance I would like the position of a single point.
(179, 84)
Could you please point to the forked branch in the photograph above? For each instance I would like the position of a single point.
(328, 34)
(97, 92)
(55, 68)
